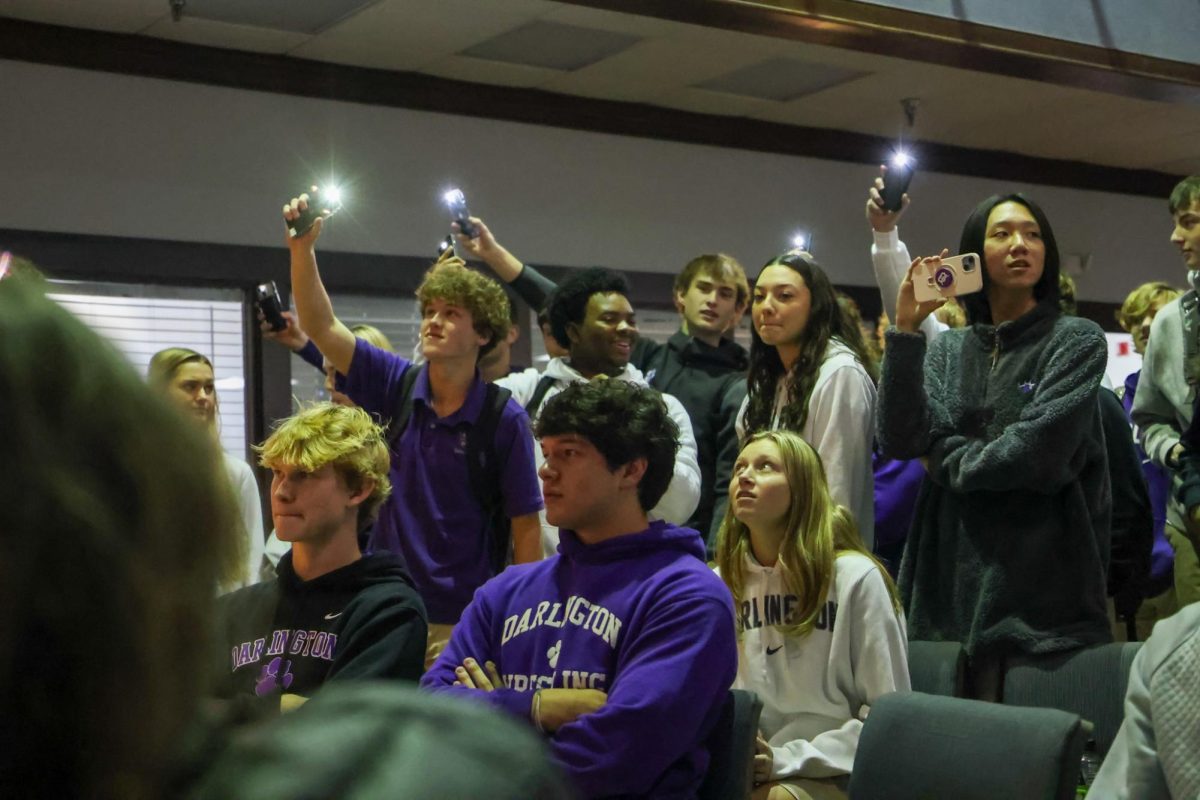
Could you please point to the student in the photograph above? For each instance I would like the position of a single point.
(332, 613)
(118, 524)
(621, 647)
(697, 366)
(1136, 315)
(803, 582)
(1163, 407)
(706, 371)
(591, 312)
(186, 379)
(435, 520)
(810, 372)
(1008, 549)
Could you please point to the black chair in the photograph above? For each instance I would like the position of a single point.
(938, 668)
(917, 746)
(1089, 682)
(731, 748)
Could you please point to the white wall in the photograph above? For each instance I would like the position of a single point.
(88, 152)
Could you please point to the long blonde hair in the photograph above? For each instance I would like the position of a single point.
(819, 531)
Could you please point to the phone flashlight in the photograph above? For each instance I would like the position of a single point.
(896, 179)
(456, 201)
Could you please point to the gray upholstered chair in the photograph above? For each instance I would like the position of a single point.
(731, 748)
(1089, 682)
(937, 668)
(918, 746)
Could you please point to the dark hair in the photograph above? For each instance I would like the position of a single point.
(102, 669)
(826, 320)
(974, 234)
(1186, 192)
(568, 303)
(624, 422)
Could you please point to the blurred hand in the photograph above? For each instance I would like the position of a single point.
(482, 246)
(764, 759)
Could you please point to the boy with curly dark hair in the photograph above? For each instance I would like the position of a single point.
(622, 646)
(439, 518)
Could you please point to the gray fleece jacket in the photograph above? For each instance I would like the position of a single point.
(1009, 542)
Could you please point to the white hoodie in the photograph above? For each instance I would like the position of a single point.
(683, 493)
(817, 690)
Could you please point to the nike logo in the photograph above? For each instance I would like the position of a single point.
(333, 616)
(771, 651)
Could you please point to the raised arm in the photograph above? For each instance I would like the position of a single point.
(1153, 412)
(889, 255)
(529, 284)
(331, 337)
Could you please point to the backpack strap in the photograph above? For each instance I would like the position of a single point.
(484, 473)
(539, 394)
(403, 410)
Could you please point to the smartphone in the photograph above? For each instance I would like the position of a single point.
(955, 276)
(443, 246)
(321, 203)
(456, 202)
(266, 297)
(895, 181)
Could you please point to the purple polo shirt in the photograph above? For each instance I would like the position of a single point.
(432, 518)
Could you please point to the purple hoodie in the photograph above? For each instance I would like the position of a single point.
(640, 617)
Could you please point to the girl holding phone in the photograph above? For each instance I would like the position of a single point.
(1010, 540)
(821, 635)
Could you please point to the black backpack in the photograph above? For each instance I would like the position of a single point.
(483, 471)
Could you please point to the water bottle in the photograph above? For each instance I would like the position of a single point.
(1089, 765)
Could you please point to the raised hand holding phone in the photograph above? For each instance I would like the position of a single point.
(316, 204)
(881, 219)
(910, 312)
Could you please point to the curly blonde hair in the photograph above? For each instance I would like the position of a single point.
(450, 280)
(344, 436)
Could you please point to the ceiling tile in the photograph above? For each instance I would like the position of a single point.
(311, 16)
(780, 79)
(553, 45)
(465, 68)
(222, 34)
(603, 20)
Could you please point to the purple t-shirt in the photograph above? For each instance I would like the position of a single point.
(432, 518)
(640, 617)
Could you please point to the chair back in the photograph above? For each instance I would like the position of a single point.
(918, 746)
(731, 748)
(1089, 682)
(938, 668)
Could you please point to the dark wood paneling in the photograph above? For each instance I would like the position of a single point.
(144, 56)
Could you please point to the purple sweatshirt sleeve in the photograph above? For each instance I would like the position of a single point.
(472, 638)
(673, 676)
(312, 355)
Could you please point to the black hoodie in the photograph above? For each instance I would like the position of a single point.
(710, 382)
(364, 620)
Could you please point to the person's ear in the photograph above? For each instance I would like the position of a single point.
(631, 473)
(514, 333)
(358, 496)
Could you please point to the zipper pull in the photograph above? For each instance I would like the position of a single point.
(995, 351)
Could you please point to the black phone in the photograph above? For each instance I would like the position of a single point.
(443, 246)
(895, 181)
(266, 297)
(321, 203)
(456, 202)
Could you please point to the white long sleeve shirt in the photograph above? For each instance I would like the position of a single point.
(245, 488)
(817, 690)
(890, 258)
(841, 427)
(683, 493)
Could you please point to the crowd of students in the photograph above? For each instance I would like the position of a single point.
(603, 547)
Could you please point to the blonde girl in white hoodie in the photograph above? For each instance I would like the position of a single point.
(821, 634)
